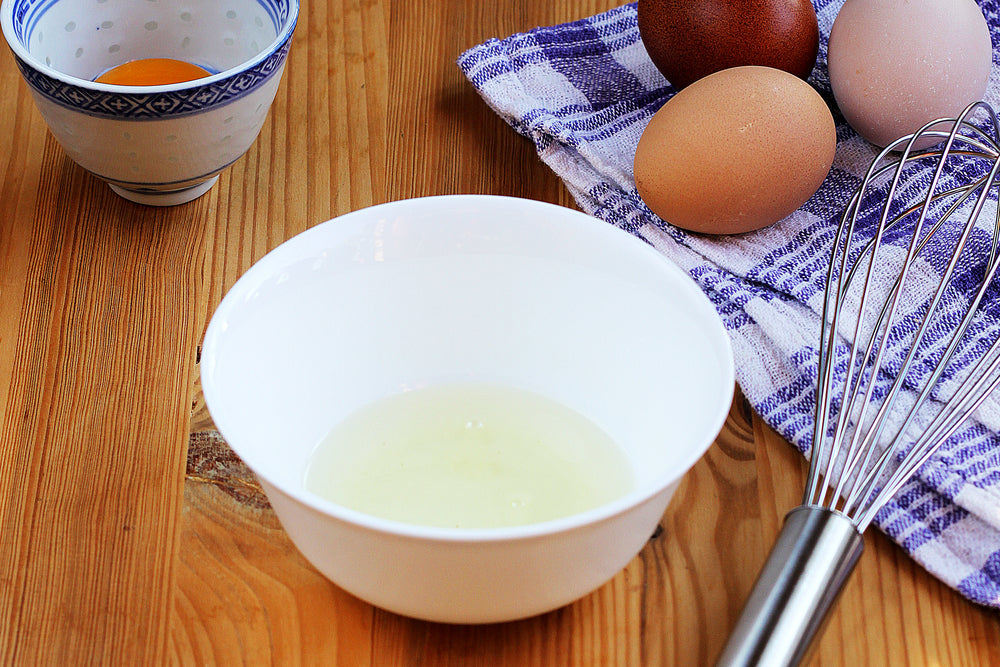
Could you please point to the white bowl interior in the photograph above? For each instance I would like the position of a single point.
(84, 38)
(466, 288)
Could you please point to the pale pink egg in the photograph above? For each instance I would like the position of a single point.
(898, 64)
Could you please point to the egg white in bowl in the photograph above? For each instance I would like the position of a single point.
(467, 289)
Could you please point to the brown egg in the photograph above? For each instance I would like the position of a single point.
(735, 151)
(689, 39)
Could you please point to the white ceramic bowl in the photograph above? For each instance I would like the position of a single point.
(467, 288)
(158, 145)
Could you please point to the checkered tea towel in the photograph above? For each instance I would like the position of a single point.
(583, 93)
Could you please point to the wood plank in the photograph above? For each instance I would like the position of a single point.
(247, 596)
(92, 495)
(444, 139)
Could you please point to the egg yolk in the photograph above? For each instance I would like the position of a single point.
(152, 72)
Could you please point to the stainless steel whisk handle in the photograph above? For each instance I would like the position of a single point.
(809, 564)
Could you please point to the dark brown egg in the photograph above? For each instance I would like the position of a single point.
(690, 39)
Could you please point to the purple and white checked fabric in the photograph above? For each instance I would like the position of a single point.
(583, 93)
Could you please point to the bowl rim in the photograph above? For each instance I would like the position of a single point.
(261, 269)
(22, 54)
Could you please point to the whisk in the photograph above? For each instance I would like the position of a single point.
(908, 350)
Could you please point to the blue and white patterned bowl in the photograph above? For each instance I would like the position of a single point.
(158, 145)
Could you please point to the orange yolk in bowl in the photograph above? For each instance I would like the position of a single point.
(152, 72)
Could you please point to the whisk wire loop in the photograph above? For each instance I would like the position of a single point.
(909, 348)
(862, 486)
(845, 466)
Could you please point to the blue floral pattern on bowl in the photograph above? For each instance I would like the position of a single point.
(153, 106)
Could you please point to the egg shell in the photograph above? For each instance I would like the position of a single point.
(690, 39)
(735, 151)
(898, 64)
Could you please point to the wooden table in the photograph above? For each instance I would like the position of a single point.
(130, 535)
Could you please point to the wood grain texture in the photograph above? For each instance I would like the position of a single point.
(91, 491)
(672, 605)
(117, 548)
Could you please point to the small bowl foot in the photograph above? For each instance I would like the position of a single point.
(167, 198)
